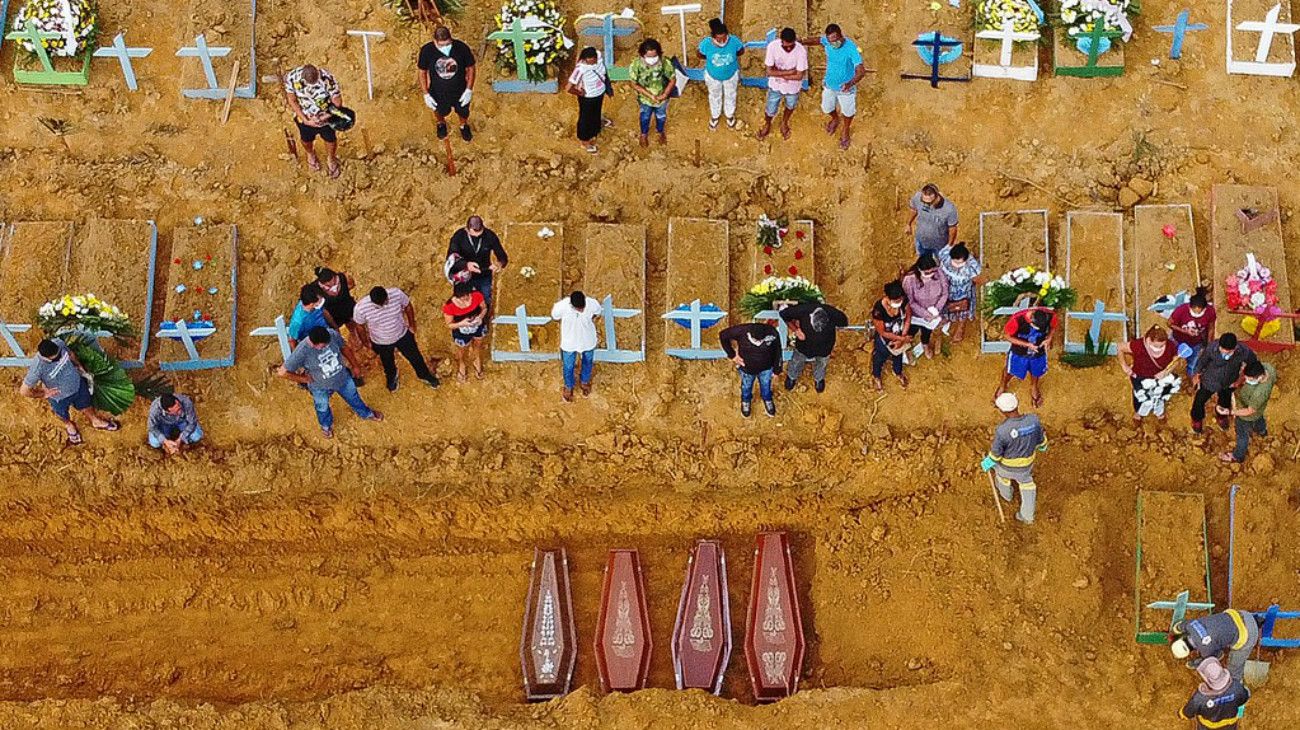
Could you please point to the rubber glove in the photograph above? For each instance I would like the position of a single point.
(428, 101)
(987, 463)
(466, 97)
(1043, 447)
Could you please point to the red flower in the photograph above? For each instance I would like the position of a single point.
(767, 269)
(794, 271)
(800, 235)
(207, 318)
(176, 261)
(207, 257)
(798, 253)
(782, 232)
(767, 250)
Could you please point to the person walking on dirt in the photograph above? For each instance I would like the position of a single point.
(1030, 333)
(844, 70)
(755, 350)
(1192, 324)
(890, 319)
(1218, 701)
(1016, 443)
(482, 254)
(466, 314)
(446, 79)
(311, 93)
(964, 274)
(589, 82)
(927, 295)
(1248, 408)
(57, 376)
(1228, 638)
(654, 82)
(933, 224)
(386, 319)
(1149, 357)
(318, 363)
(1217, 374)
(787, 68)
(721, 53)
(812, 326)
(577, 317)
(173, 423)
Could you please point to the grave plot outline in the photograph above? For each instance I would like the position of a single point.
(1182, 600)
(988, 346)
(1063, 44)
(519, 317)
(1141, 319)
(47, 75)
(517, 34)
(151, 273)
(204, 53)
(1098, 314)
(194, 361)
(17, 356)
(610, 309)
(1007, 38)
(1268, 30)
(694, 310)
(1225, 233)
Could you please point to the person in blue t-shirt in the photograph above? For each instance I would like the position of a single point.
(308, 313)
(844, 70)
(721, 53)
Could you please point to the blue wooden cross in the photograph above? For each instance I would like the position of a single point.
(608, 32)
(124, 55)
(205, 53)
(516, 35)
(1266, 638)
(1165, 306)
(1180, 606)
(521, 320)
(610, 352)
(1179, 30)
(1097, 316)
(937, 50)
(695, 314)
(19, 358)
(279, 331)
(760, 82)
(998, 346)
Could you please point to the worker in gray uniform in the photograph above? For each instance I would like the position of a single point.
(1017, 441)
(1219, 701)
(1229, 636)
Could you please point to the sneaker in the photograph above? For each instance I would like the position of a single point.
(789, 383)
(770, 407)
(442, 130)
(465, 133)
(820, 386)
(744, 408)
(431, 382)
(392, 385)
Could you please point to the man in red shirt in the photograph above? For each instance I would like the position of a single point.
(1030, 333)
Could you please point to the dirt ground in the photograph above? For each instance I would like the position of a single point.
(274, 580)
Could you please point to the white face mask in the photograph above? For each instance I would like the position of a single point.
(445, 50)
(1253, 382)
(652, 60)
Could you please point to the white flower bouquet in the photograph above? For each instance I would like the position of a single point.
(1025, 16)
(83, 313)
(1079, 16)
(75, 21)
(1155, 393)
(1046, 289)
(535, 15)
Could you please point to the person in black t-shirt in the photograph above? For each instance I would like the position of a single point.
(755, 349)
(447, 79)
(890, 318)
(478, 251)
(812, 326)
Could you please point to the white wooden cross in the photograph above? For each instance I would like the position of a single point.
(365, 36)
(522, 321)
(279, 331)
(1008, 37)
(124, 55)
(680, 11)
(611, 352)
(698, 317)
(1267, 29)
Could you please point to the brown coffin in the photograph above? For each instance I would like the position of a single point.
(623, 627)
(702, 633)
(774, 640)
(548, 650)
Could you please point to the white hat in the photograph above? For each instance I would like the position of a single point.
(1180, 649)
(1007, 402)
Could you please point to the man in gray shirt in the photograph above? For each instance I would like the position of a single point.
(934, 220)
(1017, 441)
(318, 363)
(173, 423)
(56, 376)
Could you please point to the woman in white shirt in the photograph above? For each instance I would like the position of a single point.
(588, 82)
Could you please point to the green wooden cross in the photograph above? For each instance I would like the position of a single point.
(37, 38)
(517, 35)
(1092, 68)
(47, 74)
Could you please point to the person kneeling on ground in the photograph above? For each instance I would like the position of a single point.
(813, 326)
(1016, 443)
(173, 423)
(1248, 407)
(1218, 702)
(56, 376)
(577, 317)
(318, 364)
(310, 93)
(755, 350)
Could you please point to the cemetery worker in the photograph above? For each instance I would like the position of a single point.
(57, 376)
(933, 224)
(755, 350)
(812, 326)
(466, 314)
(1149, 357)
(1248, 407)
(963, 273)
(311, 92)
(1218, 701)
(653, 81)
(1217, 374)
(307, 314)
(318, 363)
(447, 75)
(1192, 324)
(891, 319)
(721, 53)
(386, 319)
(1227, 637)
(1016, 443)
(927, 295)
(576, 315)
(173, 423)
(1030, 333)
(479, 247)
(588, 82)
(844, 70)
(787, 67)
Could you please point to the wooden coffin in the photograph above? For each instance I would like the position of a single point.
(548, 650)
(774, 641)
(623, 628)
(702, 633)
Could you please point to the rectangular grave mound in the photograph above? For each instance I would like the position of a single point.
(1264, 239)
(698, 287)
(226, 24)
(939, 54)
(1165, 269)
(1069, 58)
(548, 648)
(33, 270)
(1260, 38)
(117, 260)
(522, 328)
(623, 642)
(1172, 557)
(795, 254)
(1094, 267)
(774, 638)
(702, 632)
(199, 310)
(1008, 241)
(614, 275)
(1005, 53)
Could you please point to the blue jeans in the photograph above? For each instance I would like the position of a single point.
(483, 283)
(1196, 355)
(156, 439)
(569, 359)
(321, 399)
(747, 386)
(774, 101)
(1244, 431)
(660, 113)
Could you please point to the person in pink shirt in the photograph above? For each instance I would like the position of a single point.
(926, 287)
(787, 68)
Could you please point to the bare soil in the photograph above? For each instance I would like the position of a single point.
(1173, 553)
(615, 266)
(1095, 271)
(538, 293)
(35, 267)
(695, 248)
(1161, 266)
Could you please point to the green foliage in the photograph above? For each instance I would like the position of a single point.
(114, 390)
(763, 295)
(1094, 353)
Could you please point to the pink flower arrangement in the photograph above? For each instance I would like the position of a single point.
(1253, 288)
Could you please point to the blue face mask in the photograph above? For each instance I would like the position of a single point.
(1225, 355)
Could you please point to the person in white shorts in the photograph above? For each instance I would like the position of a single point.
(844, 70)
(721, 53)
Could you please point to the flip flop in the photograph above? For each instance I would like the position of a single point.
(313, 164)
(375, 416)
(785, 132)
(844, 145)
(74, 439)
(1037, 400)
(335, 170)
(327, 433)
(110, 425)
(832, 125)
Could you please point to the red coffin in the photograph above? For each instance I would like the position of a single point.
(548, 649)
(773, 632)
(702, 633)
(623, 628)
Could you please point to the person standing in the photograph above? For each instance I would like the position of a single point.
(1149, 357)
(1192, 324)
(812, 326)
(466, 314)
(927, 295)
(446, 79)
(1218, 701)
(844, 70)
(310, 93)
(1030, 333)
(1016, 443)
(318, 363)
(1228, 637)
(57, 376)
(173, 423)
(336, 286)
(963, 272)
(588, 82)
(721, 53)
(755, 350)
(576, 315)
(933, 224)
(654, 82)
(479, 247)
(787, 68)
(1248, 407)
(1217, 374)
(307, 314)
(386, 319)
(890, 319)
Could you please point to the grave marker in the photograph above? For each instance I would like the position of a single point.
(1008, 40)
(698, 279)
(278, 330)
(1268, 626)
(123, 55)
(615, 275)
(1094, 246)
(937, 50)
(683, 67)
(1179, 30)
(1009, 240)
(517, 34)
(522, 329)
(47, 75)
(1171, 514)
(1270, 59)
(205, 54)
(365, 36)
(1099, 42)
(609, 27)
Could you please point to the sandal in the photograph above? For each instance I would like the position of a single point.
(1037, 400)
(375, 416)
(844, 144)
(785, 131)
(109, 425)
(335, 169)
(713, 125)
(731, 122)
(762, 133)
(327, 433)
(313, 163)
(1226, 458)
(74, 438)
(478, 373)
(880, 387)
(591, 148)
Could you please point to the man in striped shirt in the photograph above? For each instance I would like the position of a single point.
(387, 320)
